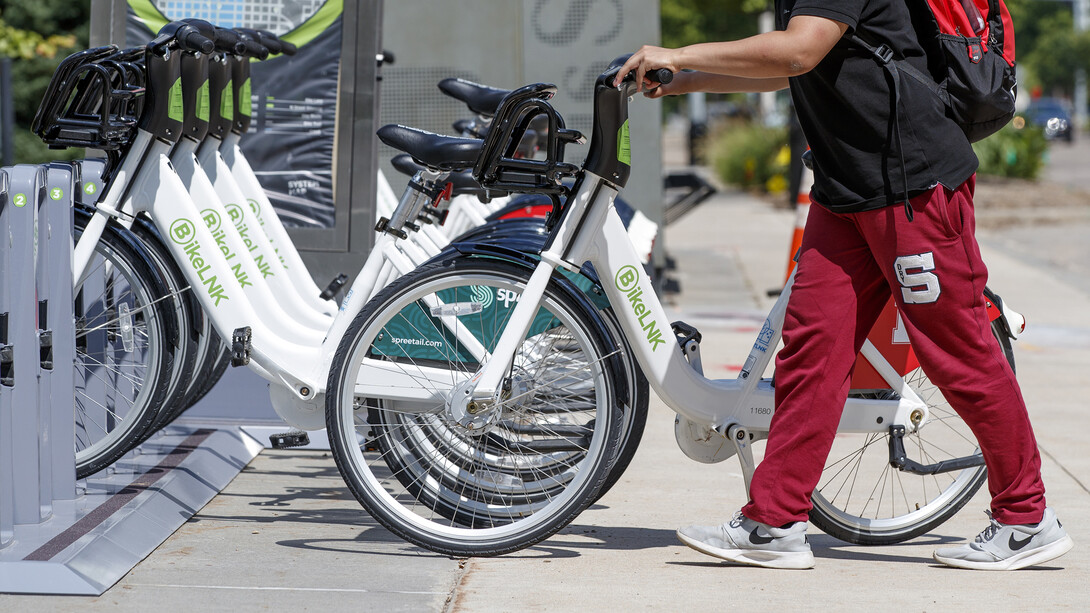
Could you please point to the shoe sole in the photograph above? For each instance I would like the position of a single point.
(790, 560)
(1033, 557)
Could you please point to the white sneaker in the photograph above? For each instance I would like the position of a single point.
(1010, 546)
(745, 541)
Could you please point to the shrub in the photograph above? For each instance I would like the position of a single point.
(749, 155)
(1018, 150)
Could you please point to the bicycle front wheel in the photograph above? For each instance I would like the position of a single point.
(862, 499)
(125, 349)
(512, 473)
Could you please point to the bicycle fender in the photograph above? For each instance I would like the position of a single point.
(1012, 322)
(525, 253)
(567, 281)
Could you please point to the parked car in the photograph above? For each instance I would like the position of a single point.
(1052, 115)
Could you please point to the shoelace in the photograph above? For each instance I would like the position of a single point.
(990, 531)
(736, 521)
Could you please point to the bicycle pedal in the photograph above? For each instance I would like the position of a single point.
(334, 286)
(295, 438)
(241, 346)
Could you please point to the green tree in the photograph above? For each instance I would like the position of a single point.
(49, 29)
(1049, 49)
(16, 43)
(685, 22)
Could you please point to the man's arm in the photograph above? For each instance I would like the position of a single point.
(772, 55)
(687, 82)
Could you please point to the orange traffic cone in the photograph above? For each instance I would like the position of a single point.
(802, 209)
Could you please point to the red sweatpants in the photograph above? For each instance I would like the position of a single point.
(849, 264)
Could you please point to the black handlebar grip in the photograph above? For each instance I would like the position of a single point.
(285, 47)
(272, 43)
(661, 76)
(288, 48)
(193, 41)
(255, 49)
(228, 40)
(267, 39)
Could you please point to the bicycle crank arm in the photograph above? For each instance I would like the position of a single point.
(899, 459)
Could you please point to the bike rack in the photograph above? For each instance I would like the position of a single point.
(59, 535)
(23, 424)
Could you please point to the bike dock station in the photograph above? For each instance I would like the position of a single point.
(61, 535)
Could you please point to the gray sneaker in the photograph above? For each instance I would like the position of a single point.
(1010, 546)
(745, 541)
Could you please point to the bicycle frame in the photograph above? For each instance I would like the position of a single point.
(295, 362)
(592, 231)
(589, 230)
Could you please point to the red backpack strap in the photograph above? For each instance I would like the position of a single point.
(1001, 29)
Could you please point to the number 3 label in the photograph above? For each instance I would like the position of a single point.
(918, 287)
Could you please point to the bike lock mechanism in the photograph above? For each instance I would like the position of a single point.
(898, 458)
(334, 286)
(689, 339)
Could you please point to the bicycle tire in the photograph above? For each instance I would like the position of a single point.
(634, 415)
(119, 389)
(926, 501)
(517, 495)
(216, 364)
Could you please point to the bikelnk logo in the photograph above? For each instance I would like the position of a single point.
(627, 280)
(183, 232)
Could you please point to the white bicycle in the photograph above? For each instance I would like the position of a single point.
(228, 255)
(446, 451)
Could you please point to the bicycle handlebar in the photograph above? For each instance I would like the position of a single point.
(662, 76)
(285, 47)
(194, 41)
(250, 45)
(228, 40)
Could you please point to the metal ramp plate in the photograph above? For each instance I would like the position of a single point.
(125, 513)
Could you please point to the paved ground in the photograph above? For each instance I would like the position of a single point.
(285, 534)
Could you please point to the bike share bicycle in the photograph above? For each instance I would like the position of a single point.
(904, 464)
(145, 180)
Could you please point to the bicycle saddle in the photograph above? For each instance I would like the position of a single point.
(430, 149)
(462, 183)
(480, 99)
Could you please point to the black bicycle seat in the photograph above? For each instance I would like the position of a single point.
(430, 149)
(480, 99)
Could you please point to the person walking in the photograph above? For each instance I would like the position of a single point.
(894, 187)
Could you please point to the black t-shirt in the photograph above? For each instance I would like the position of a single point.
(844, 106)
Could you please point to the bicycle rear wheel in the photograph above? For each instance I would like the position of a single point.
(125, 349)
(862, 499)
(513, 474)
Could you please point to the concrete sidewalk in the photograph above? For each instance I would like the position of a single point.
(286, 534)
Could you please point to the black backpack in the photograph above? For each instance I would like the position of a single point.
(970, 47)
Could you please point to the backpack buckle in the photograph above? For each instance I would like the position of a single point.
(884, 53)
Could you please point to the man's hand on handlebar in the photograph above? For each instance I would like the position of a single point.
(644, 63)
